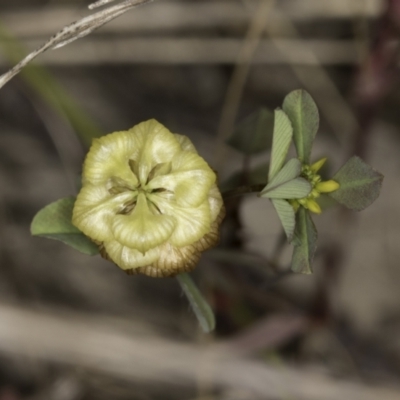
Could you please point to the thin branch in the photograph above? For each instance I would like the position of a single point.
(240, 190)
(73, 32)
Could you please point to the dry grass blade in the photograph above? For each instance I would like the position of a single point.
(99, 3)
(73, 32)
(239, 77)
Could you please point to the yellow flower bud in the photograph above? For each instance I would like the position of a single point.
(295, 204)
(314, 194)
(149, 201)
(313, 206)
(327, 186)
(318, 165)
(303, 201)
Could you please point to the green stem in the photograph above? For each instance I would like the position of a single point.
(200, 307)
(241, 190)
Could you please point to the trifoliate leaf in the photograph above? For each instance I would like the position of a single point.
(303, 114)
(254, 134)
(360, 184)
(54, 222)
(287, 216)
(199, 305)
(291, 170)
(295, 189)
(305, 242)
(326, 202)
(282, 137)
(286, 184)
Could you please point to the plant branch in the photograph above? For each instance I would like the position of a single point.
(240, 190)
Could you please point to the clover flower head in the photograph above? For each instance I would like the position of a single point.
(149, 200)
(310, 172)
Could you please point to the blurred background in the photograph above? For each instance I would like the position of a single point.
(76, 327)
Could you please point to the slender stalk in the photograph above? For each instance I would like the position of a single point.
(199, 305)
(241, 190)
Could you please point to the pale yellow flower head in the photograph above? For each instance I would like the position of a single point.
(149, 200)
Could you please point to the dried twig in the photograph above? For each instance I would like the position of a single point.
(75, 31)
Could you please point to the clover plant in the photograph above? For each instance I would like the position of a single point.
(150, 203)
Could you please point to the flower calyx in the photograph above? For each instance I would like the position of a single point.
(149, 201)
(310, 173)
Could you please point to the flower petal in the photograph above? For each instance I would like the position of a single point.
(188, 161)
(127, 258)
(212, 237)
(173, 260)
(160, 146)
(109, 157)
(94, 210)
(191, 179)
(142, 230)
(185, 142)
(192, 223)
(160, 169)
(215, 202)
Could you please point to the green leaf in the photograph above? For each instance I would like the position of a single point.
(282, 137)
(295, 189)
(326, 202)
(254, 134)
(305, 242)
(291, 170)
(286, 184)
(287, 216)
(199, 305)
(360, 184)
(303, 113)
(54, 222)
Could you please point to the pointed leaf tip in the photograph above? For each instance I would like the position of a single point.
(54, 222)
(295, 189)
(286, 184)
(282, 137)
